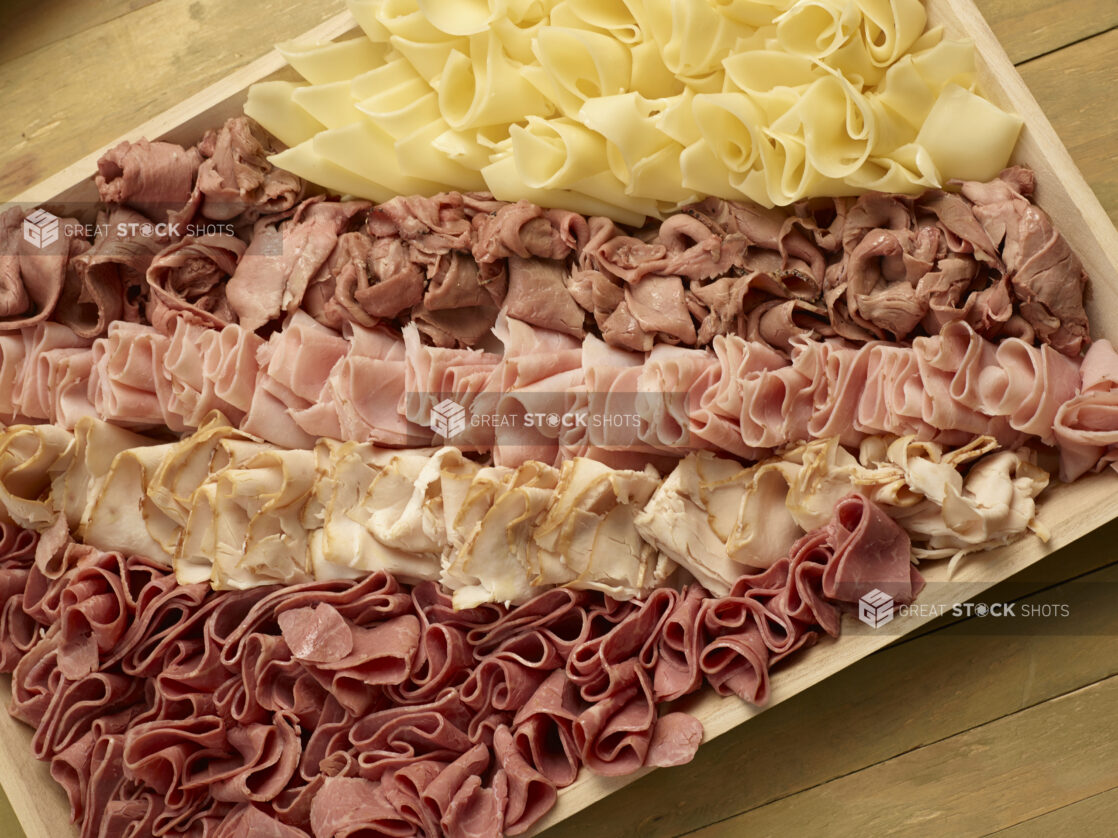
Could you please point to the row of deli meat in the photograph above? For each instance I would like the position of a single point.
(550, 397)
(225, 508)
(215, 233)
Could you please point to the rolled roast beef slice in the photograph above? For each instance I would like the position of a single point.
(1047, 278)
(109, 281)
(154, 178)
(189, 277)
(236, 181)
(32, 277)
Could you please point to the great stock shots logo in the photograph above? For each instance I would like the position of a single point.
(875, 609)
(40, 229)
(448, 418)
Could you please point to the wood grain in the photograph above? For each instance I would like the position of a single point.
(1029, 28)
(970, 784)
(1070, 85)
(182, 123)
(1080, 559)
(168, 50)
(37, 23)
(1073, 819)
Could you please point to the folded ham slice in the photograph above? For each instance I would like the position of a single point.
(539, 372)
(364, 389)
(129, 383)
(433, 374)
(210, 370)
(248, 819)
(13, 359)
(1086, 427)
(294, 366)
(46, 346)
(548, 397)
(68, 374)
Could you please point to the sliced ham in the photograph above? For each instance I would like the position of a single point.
(677, 671)
(365, 388)
(229, 364)
(13, 357)
(530, 794)
(46, 346)
(294, 367)
(128, 383)
(433, 374)
(539, 369)
(1086, 426)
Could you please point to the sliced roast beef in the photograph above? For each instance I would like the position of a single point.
(525, 230)
(434, 225)
(109, 281)
(189, 278)
(1048, 279)
(235, 180)
(35, 269)
(538, 295)
(154, 178)
(284, 257)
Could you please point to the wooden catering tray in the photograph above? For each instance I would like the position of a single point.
(1069, 511)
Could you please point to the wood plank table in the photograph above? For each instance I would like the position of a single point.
(972, 727)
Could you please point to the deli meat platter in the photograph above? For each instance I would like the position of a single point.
(660, 541)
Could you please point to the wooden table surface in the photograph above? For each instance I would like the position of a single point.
(958, 731)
